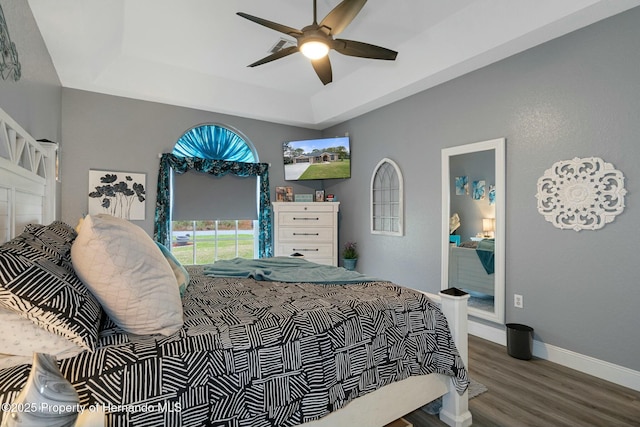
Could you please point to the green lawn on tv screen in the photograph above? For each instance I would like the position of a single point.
(339, 169)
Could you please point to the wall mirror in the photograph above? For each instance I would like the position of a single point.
(473, 225)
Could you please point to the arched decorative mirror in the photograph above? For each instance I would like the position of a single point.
(473, 225)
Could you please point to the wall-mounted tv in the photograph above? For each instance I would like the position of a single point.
(326, 158)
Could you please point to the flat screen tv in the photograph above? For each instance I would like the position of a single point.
(326, 158)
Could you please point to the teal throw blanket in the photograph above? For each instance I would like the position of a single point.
(285, 269)
(485, 251)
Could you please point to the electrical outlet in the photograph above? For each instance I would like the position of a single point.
(517, 301)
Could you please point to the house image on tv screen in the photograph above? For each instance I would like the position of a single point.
(316, 157)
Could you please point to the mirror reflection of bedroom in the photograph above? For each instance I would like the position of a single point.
(471, 252)
(473, 206)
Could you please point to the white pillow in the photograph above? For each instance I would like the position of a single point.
(21, 337)
(127, 273)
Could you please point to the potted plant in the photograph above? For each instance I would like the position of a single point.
(350, 255)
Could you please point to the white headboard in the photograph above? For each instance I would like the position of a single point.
(27, 179)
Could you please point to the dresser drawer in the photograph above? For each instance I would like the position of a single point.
(307, 207)
(305, 234)
(306, 219)
(308, 249)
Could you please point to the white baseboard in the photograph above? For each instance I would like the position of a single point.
(496, 335)
(589, 365)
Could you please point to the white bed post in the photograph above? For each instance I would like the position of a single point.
(455, 408)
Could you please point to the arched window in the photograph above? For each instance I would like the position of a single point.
(387, 199)
(215, 142)
(215, 198)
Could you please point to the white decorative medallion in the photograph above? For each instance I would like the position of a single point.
(581, 194)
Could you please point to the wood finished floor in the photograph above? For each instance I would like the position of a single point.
(539, 393)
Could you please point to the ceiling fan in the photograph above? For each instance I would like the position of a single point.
(315, 40)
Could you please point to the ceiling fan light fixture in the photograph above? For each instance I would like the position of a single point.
(316, 40)
(314, 49)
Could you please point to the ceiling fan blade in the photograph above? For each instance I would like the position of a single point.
(293, 32)
(363, 50)
(342, 15)
(279, 54)
(323, 69)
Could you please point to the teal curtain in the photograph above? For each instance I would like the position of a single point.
(214, 142)
(181, 165)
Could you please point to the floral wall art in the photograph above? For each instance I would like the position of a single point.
(478, 190)
(121, 194)
(10, 68)
(581, 194)
(462, 185)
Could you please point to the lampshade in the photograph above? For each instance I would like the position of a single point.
(314, 49)
(488, 226)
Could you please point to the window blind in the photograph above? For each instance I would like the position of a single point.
(202, 196)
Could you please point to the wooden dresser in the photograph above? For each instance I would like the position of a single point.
(307, 228)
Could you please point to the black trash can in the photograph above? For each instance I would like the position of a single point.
(519, 341)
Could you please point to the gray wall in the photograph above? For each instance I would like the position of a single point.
(576, 96)
(113, 133)
(34, 100)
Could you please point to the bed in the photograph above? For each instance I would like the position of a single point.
(466, 270)
(236, 351)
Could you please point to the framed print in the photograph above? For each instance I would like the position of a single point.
(284, 194)
(303, 197)
(462, 185)
(319, 195)
(492, 194)
(478, 190)
(121, 194)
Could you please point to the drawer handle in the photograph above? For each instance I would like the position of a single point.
(306, 250)
(305, 219)
(306, 234)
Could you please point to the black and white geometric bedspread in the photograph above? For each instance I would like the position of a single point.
(255, 354)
